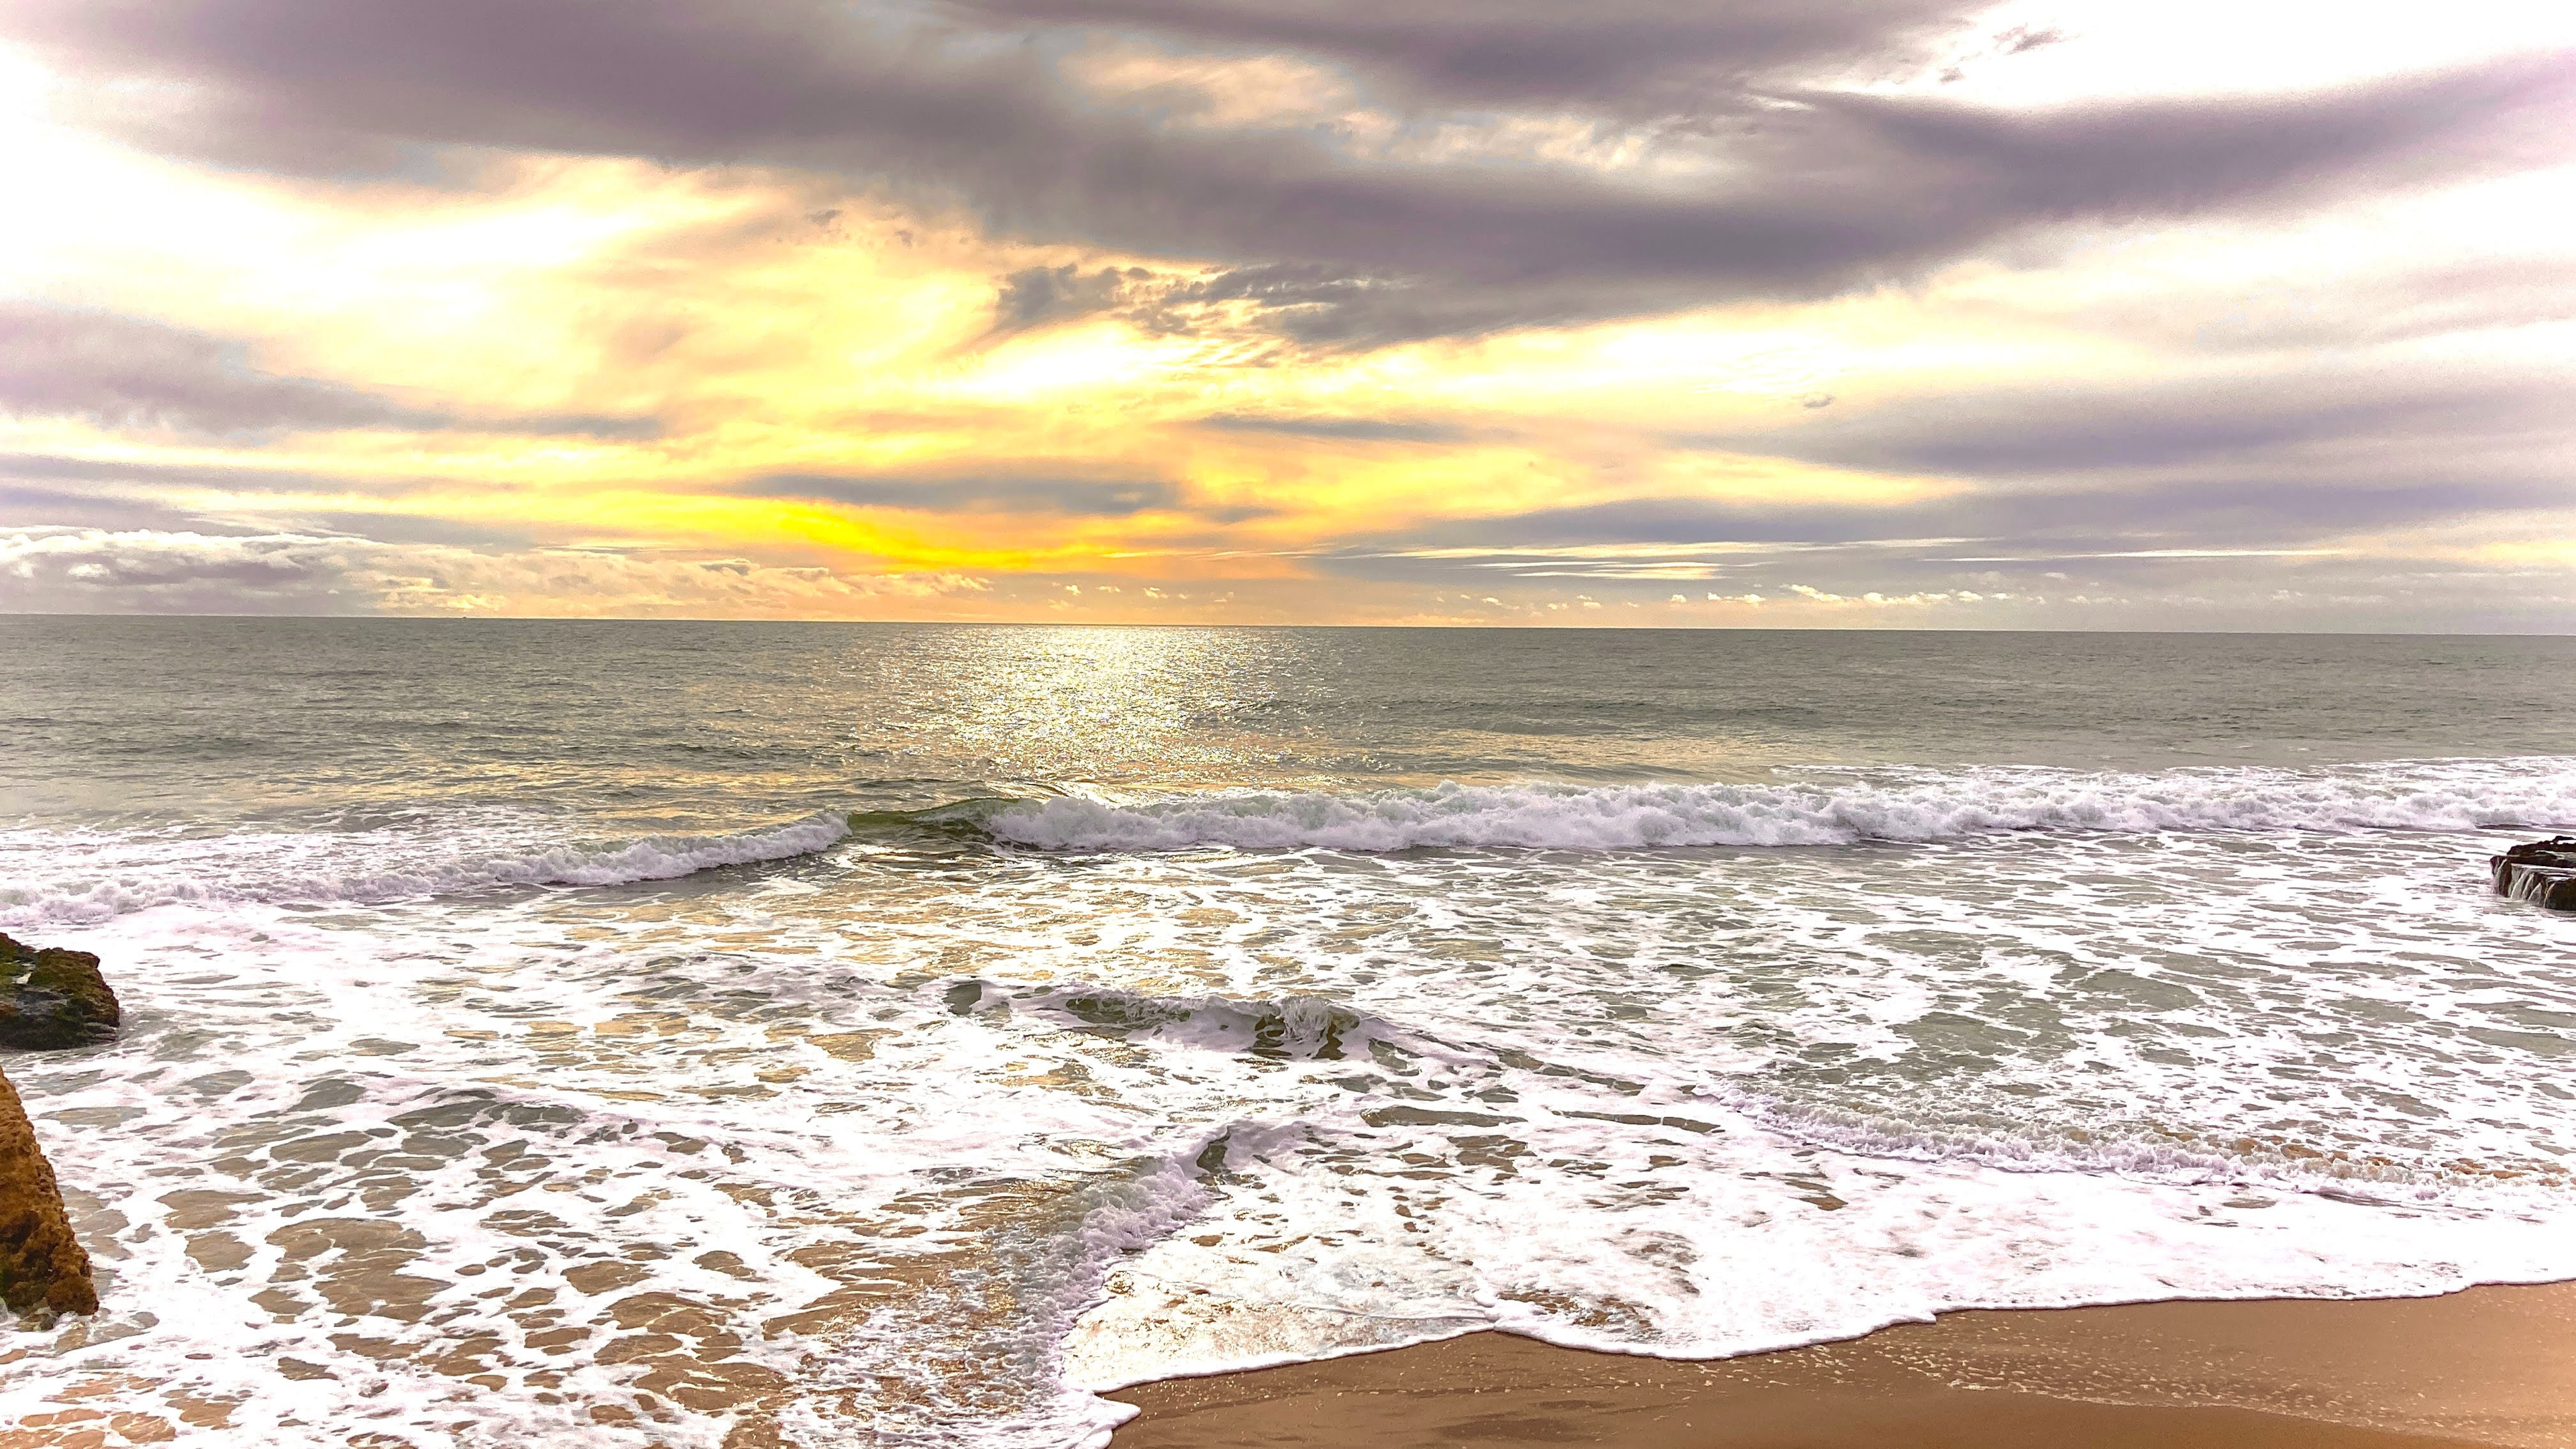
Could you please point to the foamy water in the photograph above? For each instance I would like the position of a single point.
(57, 877)
(897, 1064)
(1910, 806)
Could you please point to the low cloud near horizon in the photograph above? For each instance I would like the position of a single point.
(1679, 312)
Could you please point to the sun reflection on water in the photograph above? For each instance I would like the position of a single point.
(1149, 707)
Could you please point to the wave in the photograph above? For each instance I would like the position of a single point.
(1919, 806)
(70, 879)
(54, 877)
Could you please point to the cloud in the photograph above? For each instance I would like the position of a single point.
(1764, 182)
(84, 508)
(2389, 417)
(1038, 296)
(126, 372)
(91, 570)
(2203, 337)
(994, 492)
(2444, 295)
(1632, 57)
(1356, 430)
(121, 372)
(1672, 539)
(123, 473)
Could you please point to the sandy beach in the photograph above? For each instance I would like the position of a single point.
(2490, 1366)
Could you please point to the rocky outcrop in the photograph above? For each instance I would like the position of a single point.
(2542, 872)
(42, 1266)
(53, 998)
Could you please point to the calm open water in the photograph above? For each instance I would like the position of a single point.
(661, 1033)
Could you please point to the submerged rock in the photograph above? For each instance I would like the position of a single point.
(42, 1266)
(2542, 872)
(53, 998)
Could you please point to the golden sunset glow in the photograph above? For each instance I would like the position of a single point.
(517, 361)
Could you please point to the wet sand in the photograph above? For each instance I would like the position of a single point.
(2490, 1366)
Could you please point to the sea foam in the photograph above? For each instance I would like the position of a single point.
(1892, 806)
(56, 877)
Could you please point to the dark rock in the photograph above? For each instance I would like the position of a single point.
(2542, 872)
(53, 998)
(42, 1266)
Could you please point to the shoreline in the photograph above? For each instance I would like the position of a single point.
(2485, 1366)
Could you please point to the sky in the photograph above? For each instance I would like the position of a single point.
(1702, 313)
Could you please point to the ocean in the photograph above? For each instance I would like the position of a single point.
(737, 1034)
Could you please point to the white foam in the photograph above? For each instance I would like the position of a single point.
(1897, 806)
(1736, 1240)
(1669, 1102)
(75, 877)
(515, 1107)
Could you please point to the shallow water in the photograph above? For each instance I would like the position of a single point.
(658, 1033)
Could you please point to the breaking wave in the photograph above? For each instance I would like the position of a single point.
(1911, 806)
(68, 878)
(47, 878)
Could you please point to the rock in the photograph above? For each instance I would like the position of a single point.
(42, 1265)
(53, 999)
(2542, 872)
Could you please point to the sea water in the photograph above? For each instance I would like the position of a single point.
(664, 1033)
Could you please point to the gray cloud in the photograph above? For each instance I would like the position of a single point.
(397, 528)
(1332, 306)
(130, 372)
(119, 472)
(2294, 462)
(1038, 296)
(84, 509)
(1655, 57)
(1821, 189)
(2027, 530)
(118, 496)
(67, 570)
(125, 372)
(99, 570)
(1357, 430)
(2446, 296)
(1036, 489)
(2201, 557)
(1036, 492)
(2319, 423)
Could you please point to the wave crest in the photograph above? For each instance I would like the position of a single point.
(1921, 807)
(77, 880)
